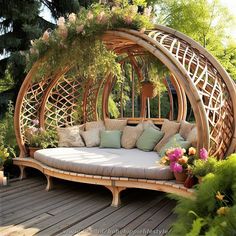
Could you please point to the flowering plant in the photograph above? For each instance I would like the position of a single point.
(40, 138)
(76, 41)
(180, 161)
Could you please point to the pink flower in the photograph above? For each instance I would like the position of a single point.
(175, 154)
(203, 154)
(90, 15)
(45, 36)
(79, 29)
(35, 122)
(175, 167)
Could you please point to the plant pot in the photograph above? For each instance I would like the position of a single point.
(180, 177)
(32, 150)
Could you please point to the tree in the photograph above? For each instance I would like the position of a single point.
(208, 22)
(19, 24)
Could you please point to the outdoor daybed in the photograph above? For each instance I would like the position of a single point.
(55, 101)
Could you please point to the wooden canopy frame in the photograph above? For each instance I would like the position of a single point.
(195, 72)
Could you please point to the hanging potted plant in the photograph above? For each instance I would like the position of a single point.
(38, 138)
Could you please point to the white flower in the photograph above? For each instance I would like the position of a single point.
(148, 11)
(61, 21)
(32, 42)
(72, 17)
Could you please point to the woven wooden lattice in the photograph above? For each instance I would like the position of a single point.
(63, 101)
(210, 85)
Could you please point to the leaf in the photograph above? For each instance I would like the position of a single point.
(196, 227)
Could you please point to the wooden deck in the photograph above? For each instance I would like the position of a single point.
(81, 209)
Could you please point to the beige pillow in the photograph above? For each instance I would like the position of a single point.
(148, 123)
(70, 137)
(130, 136)
(95, 125)
(169, 128)
(185, 128)
(192, 137)
(115, 124)
(91, 137)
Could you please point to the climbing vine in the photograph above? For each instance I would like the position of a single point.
(76, 41)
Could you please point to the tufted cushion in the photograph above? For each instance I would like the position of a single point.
(129, 163)
(192, 137)
(149, 138)
(115, 124)
(91, 137)
(130, 136)
(95, 125)
(169, 128)
(70, 137)
(185, 128)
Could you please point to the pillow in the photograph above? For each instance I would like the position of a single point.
(175, 141)
(169, 128)
(149, 138)
(192, 137)
(130, 136)
(91, 137)
(70, 137)
(110, 139)
(115, 124)
(185, 128)
(95, 125)
(147, 123)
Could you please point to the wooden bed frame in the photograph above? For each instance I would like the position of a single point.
(114, 184)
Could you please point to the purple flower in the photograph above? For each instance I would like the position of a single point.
(203, 154)
(175, 167)
(35, 122)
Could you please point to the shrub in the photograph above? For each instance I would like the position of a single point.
(213, 212)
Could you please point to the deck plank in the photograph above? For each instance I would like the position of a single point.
(80, 209)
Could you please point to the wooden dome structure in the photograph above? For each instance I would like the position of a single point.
(195, 73)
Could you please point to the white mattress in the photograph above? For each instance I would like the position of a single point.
(132, 163)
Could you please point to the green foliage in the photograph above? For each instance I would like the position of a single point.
(36, 137)
(4, 154)
(213, 212)
(77, 43)
(204, 167)
(7, 132)
(208, 22)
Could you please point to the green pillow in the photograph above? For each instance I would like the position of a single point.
(175, 141)
(149, 138)
(110, 139)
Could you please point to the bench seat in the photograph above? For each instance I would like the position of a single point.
(130, 163)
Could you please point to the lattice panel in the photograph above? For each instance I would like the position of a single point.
(31, 104)
(210, 85)
(64, 104)
(90, 100)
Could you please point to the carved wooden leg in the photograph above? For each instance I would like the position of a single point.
(22, 172)
(116, 195)
(49, 183)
